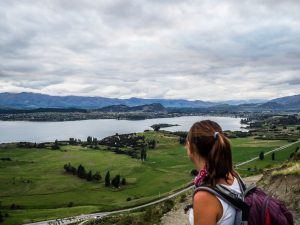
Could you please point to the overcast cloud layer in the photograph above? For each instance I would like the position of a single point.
(208, 50)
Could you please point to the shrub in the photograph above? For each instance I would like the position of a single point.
(194, 172)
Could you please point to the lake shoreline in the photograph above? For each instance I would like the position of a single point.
(33, 131)
(79, 116)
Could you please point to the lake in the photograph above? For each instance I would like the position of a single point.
(15, 131)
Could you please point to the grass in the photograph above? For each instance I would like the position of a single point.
(280, 156)
(292, 168)
(50, 190)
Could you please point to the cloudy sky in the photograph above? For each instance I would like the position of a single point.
(208, 50)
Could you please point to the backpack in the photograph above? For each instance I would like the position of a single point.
(253, 206)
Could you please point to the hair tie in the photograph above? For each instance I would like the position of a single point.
(216, 134)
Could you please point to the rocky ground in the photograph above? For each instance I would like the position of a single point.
(273, 185)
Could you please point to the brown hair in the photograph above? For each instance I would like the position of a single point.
(214, 148)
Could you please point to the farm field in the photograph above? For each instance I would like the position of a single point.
(35, 179)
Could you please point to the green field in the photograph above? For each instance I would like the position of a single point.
(50, 189)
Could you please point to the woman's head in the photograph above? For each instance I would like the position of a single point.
(207, 141)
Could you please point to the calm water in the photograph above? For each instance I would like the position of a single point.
(15, 131)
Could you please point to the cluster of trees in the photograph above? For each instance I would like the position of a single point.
(30, 145)
(156, 127)
(124, 140)
(288, 120)
(74, 141)
(132, 144)
(237, 134)
(245, 121)
(92, 141)
(81, 172)
(53, 145)
(115, 182)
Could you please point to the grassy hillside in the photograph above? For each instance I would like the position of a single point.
(35, 180)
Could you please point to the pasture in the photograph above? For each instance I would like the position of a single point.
(35, 180)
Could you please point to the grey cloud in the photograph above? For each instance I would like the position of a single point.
(151, 49)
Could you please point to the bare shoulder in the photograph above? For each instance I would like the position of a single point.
(207, 206)
(205, 197)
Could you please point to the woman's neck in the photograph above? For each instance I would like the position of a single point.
(229, 181)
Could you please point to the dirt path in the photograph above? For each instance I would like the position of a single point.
(177, 216)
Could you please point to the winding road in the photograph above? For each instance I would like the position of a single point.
(84, 217)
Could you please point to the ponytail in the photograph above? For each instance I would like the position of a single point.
(219, 160)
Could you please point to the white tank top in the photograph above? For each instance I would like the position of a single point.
(228, 211)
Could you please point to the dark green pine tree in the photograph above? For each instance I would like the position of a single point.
(81, 172)
(273, 156)
(116, 181)
(107, 179)
(89, 176)
(261, 155)
(89, 140)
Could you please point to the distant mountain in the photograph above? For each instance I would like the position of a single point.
(155, 107)
(240, 102)
(27, 100)
(290, 102)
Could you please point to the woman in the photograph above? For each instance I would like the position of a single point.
(210, 151)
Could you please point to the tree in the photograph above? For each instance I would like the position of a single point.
(67, 167)
(123, 182)
(143, 154)
(81, 171)
(72, 141)
(107, 179)
(89, 140)
(97, 176)
(116, 181)
(89, 176)
(261, 155)
(273, 156)
(95, 141)
(182, 140)
(156, 128)
(74, 171)
(55, 146)
(194, 172)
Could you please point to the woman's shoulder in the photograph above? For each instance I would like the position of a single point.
(206, 202)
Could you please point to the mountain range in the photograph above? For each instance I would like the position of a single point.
(27, 100)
